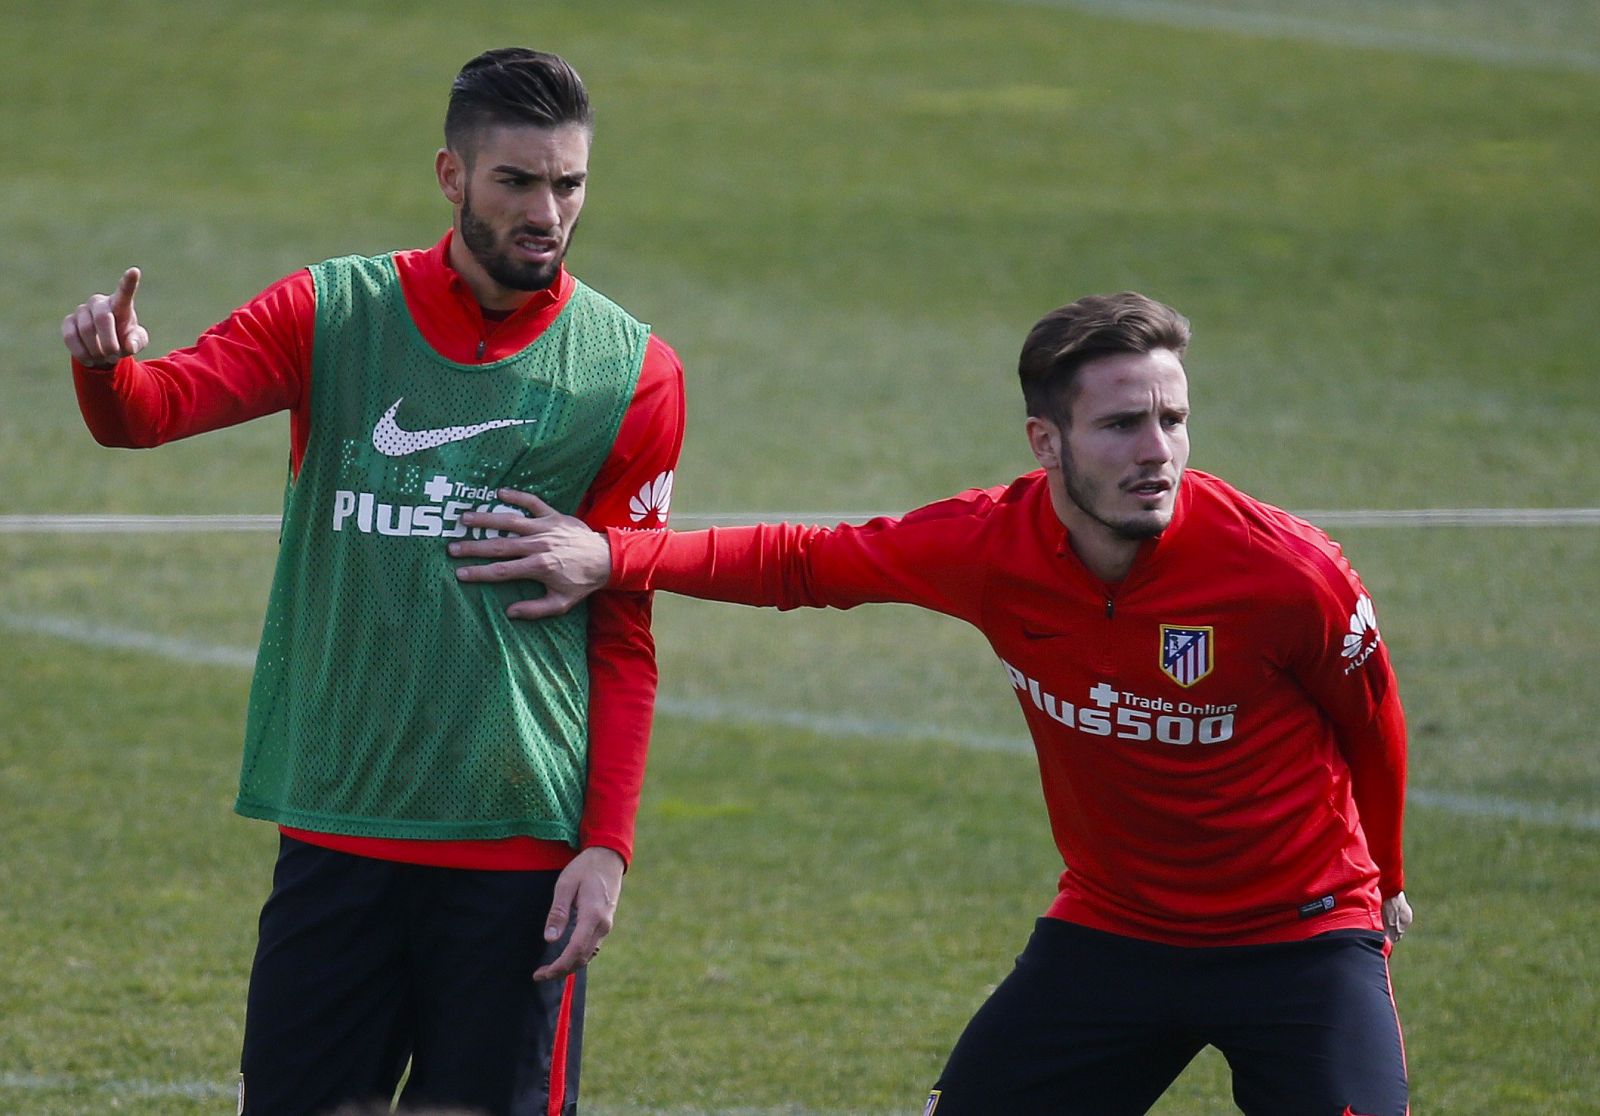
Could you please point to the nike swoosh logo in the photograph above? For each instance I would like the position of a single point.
(389, 440)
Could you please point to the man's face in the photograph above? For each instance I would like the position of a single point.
(518, 192)
(1124, 448)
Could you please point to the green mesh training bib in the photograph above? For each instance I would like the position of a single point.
(390, 699)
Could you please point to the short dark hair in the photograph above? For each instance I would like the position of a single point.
(515, 85)
(1064, 340)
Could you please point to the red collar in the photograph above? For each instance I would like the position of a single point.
(435, 268)
(448, 314)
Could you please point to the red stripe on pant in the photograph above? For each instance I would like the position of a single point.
(1388, 948)
(558, 1051)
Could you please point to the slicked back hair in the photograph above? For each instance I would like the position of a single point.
(1064, 340)
(514, 85)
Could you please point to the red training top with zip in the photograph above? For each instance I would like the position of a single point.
(1219, 735)
(258, 362)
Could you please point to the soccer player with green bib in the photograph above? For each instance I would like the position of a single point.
(455, 791)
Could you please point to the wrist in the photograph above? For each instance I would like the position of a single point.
(614, 855)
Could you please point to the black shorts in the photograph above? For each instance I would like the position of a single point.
(364, 965)
(1096, 1024)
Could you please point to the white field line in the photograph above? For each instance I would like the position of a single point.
(109, 638)
(1353, 517)
(134, 524)
(136, 1088)
(1278, 25)
(713, 711)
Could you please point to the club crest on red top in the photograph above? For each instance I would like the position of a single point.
(1186, 653)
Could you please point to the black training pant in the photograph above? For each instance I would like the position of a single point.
(1096, 1024)
(365, 964)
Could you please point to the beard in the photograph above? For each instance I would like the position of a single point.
(513, 274)
(1088, 496)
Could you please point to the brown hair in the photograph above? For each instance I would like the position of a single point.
(1064, 340)
(515, 85)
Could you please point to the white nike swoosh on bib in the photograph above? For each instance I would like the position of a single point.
(389, 440)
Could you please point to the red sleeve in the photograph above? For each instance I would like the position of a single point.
(1346, 670)
(1376, 753)
(633, 489)
(930, 557)
(255, 362)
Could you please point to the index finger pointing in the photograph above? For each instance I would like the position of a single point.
(126, 288)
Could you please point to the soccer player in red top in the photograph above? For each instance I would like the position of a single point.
(1219, 735)
(402, 925)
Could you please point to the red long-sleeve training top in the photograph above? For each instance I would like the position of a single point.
(258, 361)
(1219, 735)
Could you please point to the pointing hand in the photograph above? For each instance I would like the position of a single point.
(105, 329)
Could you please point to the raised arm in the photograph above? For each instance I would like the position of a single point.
(254, 362)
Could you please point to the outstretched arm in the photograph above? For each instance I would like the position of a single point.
(932, 557)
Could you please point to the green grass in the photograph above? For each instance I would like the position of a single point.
(845, 217)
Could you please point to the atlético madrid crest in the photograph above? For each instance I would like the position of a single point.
(1186, 653)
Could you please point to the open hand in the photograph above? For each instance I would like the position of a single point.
(558, 550)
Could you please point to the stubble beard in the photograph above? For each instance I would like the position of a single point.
(480, 239)
(1085, 497)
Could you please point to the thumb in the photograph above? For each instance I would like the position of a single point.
(560, 908)
(551, 604)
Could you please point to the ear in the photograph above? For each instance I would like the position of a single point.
(452, 174)
(1044, 439)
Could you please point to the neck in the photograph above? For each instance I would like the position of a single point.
(1108, 556)
(1104, 553)
(490, 294)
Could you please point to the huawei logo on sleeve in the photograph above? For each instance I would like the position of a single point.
(1362, 638)
(648, 507)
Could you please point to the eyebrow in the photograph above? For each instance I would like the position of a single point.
(524, 172)
(1139, 412)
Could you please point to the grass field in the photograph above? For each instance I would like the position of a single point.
(1381, 218)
